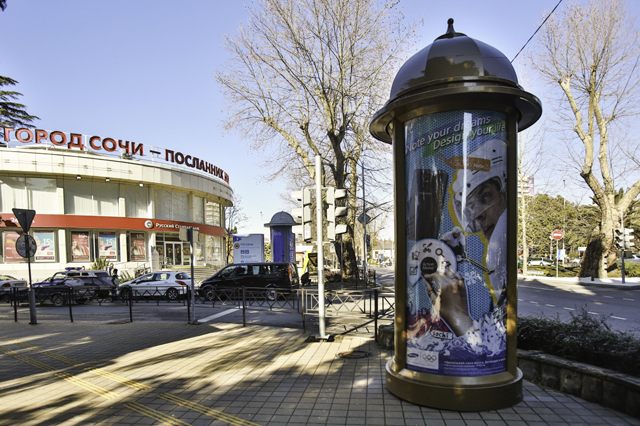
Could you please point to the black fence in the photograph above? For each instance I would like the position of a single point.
(368, 303)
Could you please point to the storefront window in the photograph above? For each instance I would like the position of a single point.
(46, 251)
(137, 246)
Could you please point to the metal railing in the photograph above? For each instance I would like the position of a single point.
(371, 304)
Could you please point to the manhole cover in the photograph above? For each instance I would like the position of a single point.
(353, 354)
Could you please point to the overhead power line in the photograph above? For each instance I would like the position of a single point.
(536, 32)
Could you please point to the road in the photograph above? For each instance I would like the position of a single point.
(553, 298)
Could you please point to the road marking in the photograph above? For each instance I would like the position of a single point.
(551, 306)
(47, 353)
(156, 415)
(608, 297)
(569, 309)
(116, 378)
(105, 393)
(98, 371)
(218, 415)
(593, 313)
(620, 318)
(630, 300)
(221, 314)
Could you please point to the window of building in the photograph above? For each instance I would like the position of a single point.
(38, 194)
(212, 213)
(91, 198)
(136, 201)
(172, 205)
(198, 209)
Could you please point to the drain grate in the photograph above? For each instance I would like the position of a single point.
(353, 354)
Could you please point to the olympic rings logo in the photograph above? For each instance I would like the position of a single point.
(430, 358)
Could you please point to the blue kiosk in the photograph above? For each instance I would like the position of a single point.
(283, 240)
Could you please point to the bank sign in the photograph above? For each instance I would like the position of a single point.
(248, 248)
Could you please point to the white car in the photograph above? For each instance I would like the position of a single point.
(168, 284)
(7, 282)
(538, 261)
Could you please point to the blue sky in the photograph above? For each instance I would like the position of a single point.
(143, 71)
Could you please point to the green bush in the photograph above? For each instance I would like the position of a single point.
(550, 271)
(584, 338)
(631, 269)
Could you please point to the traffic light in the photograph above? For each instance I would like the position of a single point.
(334, 212)
(619, 239)
(303, 214)
(628, 238)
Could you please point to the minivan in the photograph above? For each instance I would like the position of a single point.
(273, 276)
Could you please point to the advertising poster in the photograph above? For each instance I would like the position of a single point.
(455, 184)
(79, 247)
(138, 251)
(10, 252)
(46, 248)
(107, 247)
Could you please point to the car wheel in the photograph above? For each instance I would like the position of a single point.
(172, 294)
(125, 293)
(209, 293)
(57, 300)
(272, 295)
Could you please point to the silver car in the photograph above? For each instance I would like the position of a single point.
(7, 282)
(168, 284)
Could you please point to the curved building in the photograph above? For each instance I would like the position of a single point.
(105, 198)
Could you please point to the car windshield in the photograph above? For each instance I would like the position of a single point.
(6, 278)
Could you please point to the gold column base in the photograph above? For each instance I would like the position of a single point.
(467, 396)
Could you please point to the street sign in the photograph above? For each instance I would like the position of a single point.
(557, 234)
(364, 218)
(21, 245)
(25, 217)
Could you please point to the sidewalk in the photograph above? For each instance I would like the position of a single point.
(223, 374)
(631, 283)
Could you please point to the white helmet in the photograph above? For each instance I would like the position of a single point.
(467, 180)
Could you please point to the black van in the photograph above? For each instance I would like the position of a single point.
(276, 277)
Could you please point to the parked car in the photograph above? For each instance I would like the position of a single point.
(100, 279)
(57, 291)
(7, 282)
(634, 258)
(169, 284)
(273, 276)
(539, 261)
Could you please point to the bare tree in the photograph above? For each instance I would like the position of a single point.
(233, 218)
(304, 78)
(591, 54)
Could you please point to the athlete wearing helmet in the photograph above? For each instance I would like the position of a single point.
(480, 204)
(480, 197)
(455, 240)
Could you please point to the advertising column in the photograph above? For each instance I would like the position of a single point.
(455, 185)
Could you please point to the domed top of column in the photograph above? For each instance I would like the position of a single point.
(455, 72)
(452, 56)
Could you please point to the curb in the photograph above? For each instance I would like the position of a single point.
(609, 388)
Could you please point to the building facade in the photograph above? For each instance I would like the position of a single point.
(104, 198)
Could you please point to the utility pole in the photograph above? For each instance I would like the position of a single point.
(320, 249)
